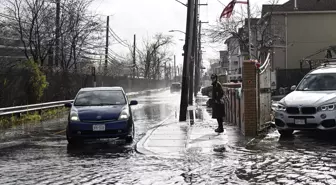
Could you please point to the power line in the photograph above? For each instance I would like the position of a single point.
(221, 2)
(117, 55)
(118, 39)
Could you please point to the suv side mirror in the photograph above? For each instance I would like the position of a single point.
(133, 102)
(293, 88)
(68, 105)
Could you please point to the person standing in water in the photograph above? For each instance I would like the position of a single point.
(218, 103)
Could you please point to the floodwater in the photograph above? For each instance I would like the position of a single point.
(39, 154)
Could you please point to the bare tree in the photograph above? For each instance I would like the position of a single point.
(80, 31)
(154, 55)
(34, 22)
(236, 26)
(31, 21)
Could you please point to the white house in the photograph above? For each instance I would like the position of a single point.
(235, 58)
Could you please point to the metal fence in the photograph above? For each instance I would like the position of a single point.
(34, 107)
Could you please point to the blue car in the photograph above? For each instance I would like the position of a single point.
(100, 112)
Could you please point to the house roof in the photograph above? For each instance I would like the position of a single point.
(230, 38)
(269, 8)
(302, 5)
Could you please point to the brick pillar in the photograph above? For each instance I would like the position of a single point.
(250, 98)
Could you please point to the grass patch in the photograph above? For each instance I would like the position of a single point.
(31, 117)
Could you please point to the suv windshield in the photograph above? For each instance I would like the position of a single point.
(318, 82)
(100, 98)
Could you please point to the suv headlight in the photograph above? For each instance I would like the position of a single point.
(124, 115)
(74, 117)
(280, 107)
(328, 107)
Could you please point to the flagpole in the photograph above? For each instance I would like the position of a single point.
(249, 28)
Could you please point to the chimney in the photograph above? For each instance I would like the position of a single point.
(295, 5)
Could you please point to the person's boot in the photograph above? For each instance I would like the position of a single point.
(220, 128)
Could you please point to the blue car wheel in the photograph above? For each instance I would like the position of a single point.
(129, 139)
(71, 140)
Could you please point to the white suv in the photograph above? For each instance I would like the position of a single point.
(311, 106)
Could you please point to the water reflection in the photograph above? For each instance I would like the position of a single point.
(99, 148)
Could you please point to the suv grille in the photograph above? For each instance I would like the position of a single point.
(304, 110)
(308, 110)
(293, 110)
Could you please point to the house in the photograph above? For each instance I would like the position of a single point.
(224, 62)
(215, 67)
(238, 48)
(297, 29)
(235, 58)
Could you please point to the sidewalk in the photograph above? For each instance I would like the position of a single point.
(168, 138)
(172, 138)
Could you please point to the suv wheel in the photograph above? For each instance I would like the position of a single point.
(286, 132)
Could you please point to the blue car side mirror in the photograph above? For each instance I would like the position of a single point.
(133, 102)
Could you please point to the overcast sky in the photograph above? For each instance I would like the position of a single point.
(147, 17)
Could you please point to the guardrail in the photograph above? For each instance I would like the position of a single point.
(32, 107)
(49, 105)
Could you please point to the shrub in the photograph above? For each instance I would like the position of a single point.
(36, 83)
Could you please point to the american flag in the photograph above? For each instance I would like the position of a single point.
(227, 12)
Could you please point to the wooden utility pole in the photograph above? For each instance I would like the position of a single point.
(170, 72)
(174, 68)
(165, 71)
(134, 59)
(186, 60)
(198, 70)
(57, 30)
(197, 63)
(107, 43)
(193, 54)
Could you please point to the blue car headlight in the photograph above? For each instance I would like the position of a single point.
(124, 115)
(328, 107)
(74, 117)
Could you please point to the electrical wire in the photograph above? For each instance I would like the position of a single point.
(221, 2)
(118, 39)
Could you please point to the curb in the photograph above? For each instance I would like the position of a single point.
(140, 145)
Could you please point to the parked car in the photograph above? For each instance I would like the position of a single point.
(310, 105)
(100, 112)
(175, 87)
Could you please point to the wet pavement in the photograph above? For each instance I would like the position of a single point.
(39, 154)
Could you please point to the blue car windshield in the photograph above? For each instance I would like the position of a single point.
(318, 82)
(100, 98)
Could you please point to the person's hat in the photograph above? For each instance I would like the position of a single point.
(213, 76)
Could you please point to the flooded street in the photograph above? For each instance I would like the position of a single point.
(39, 154)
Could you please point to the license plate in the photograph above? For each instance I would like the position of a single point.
(98, 128)
(300, 122)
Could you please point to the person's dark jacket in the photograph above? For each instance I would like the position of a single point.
(218, 100)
